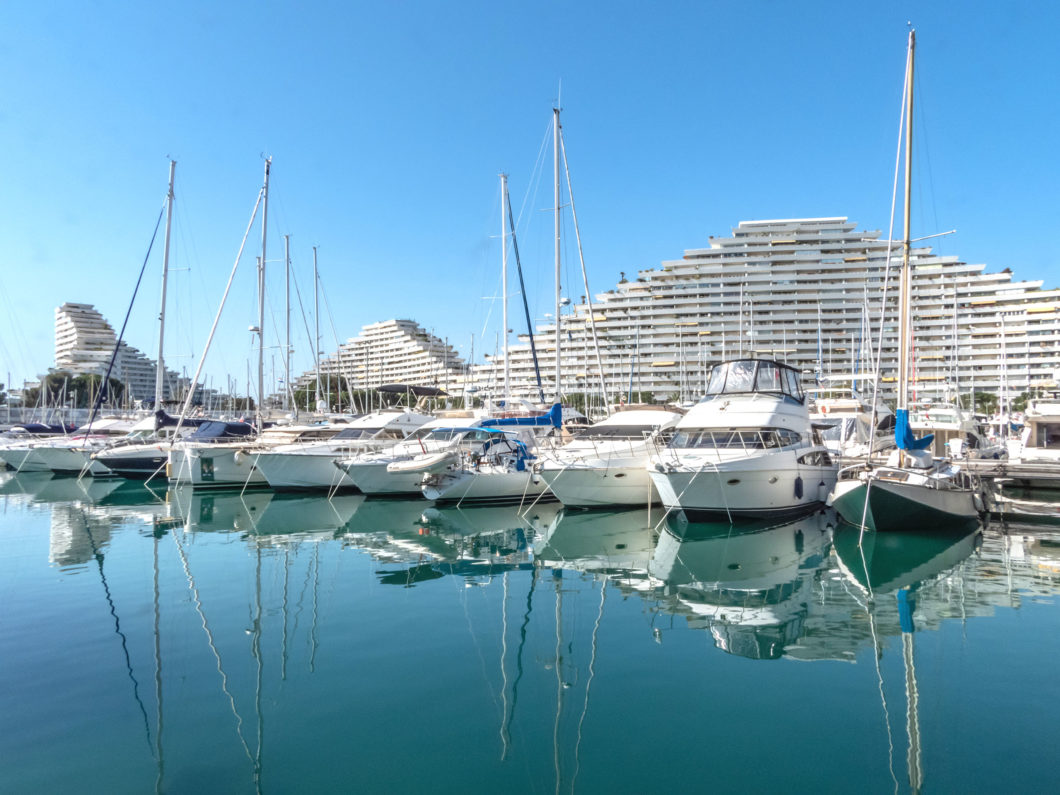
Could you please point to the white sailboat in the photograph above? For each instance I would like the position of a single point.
(913, 489)
(504, 471)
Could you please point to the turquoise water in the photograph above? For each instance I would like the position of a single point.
(239, 643)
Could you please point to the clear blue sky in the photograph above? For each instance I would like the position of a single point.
(388, 123)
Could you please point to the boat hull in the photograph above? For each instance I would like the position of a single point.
(64, 460)
(136, 462)
(373, 478)
(213, 466)
(303, 471)
(757, 487)
(598, 487)
(19, 459)
(903, 507)
(465, 486)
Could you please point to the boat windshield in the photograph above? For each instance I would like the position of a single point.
(745, 376)
(749, 439)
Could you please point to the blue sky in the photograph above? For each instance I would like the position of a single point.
(389, 122)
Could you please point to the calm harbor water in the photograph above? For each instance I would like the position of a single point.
(178, 642)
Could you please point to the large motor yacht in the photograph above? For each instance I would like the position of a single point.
(747, 449)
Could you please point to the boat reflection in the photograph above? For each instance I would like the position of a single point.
(262, 514)
(618, 544)
(902, 564)
(42, 487)
(218, 511)
(751, 586)
(23, 484)
(886, 562)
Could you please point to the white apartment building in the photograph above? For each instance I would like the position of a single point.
(806, 290)
(84, 344)
(391, 352)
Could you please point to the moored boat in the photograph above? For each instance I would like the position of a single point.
(747, 449)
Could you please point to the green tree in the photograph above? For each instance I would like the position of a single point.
(80, 391)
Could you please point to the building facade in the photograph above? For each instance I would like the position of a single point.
(391, 352)
(84, 344)
(809, 292)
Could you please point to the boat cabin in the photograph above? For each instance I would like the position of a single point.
(753, 376)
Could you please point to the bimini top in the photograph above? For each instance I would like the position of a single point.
(750, 376)
(216, 431)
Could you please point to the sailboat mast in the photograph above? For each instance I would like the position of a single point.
(160, 371)
(504, 287)
(906, 284)
(261, 294)
(585, 282)
(287, 314)
(316, 321)
(555, 170)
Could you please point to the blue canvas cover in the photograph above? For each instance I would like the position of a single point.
(903, 434)
(554, 417)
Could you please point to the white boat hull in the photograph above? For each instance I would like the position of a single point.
(373, 478)
(214, 466)
(758, 486)
(18, 458)
(303, 471)
(485, 486)
(582, 485)
(68, 460)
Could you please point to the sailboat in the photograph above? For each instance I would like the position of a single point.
(503, 472)
(912, 489)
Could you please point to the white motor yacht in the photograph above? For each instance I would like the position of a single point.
(747, 449)
(72, 455)
(17, 443)
(605, 464)
(305, 466)
(228, 460)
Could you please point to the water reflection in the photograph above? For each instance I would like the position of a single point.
(259, 621)
(902, 564)
(750, 586)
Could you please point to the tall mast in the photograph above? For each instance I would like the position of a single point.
(287, 313)
(555, 170)
(585, 283)
(261, 294)
(316, 321)
(504, 286)
(160, 371)
(906, 284)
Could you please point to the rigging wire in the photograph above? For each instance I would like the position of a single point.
(104, 386)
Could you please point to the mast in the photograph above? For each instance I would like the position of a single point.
(261, 294)
(316, 321)
(555, 171)
(504, 287)
(585, 282)
(160, 371)
(287, 313)
(905, 284)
